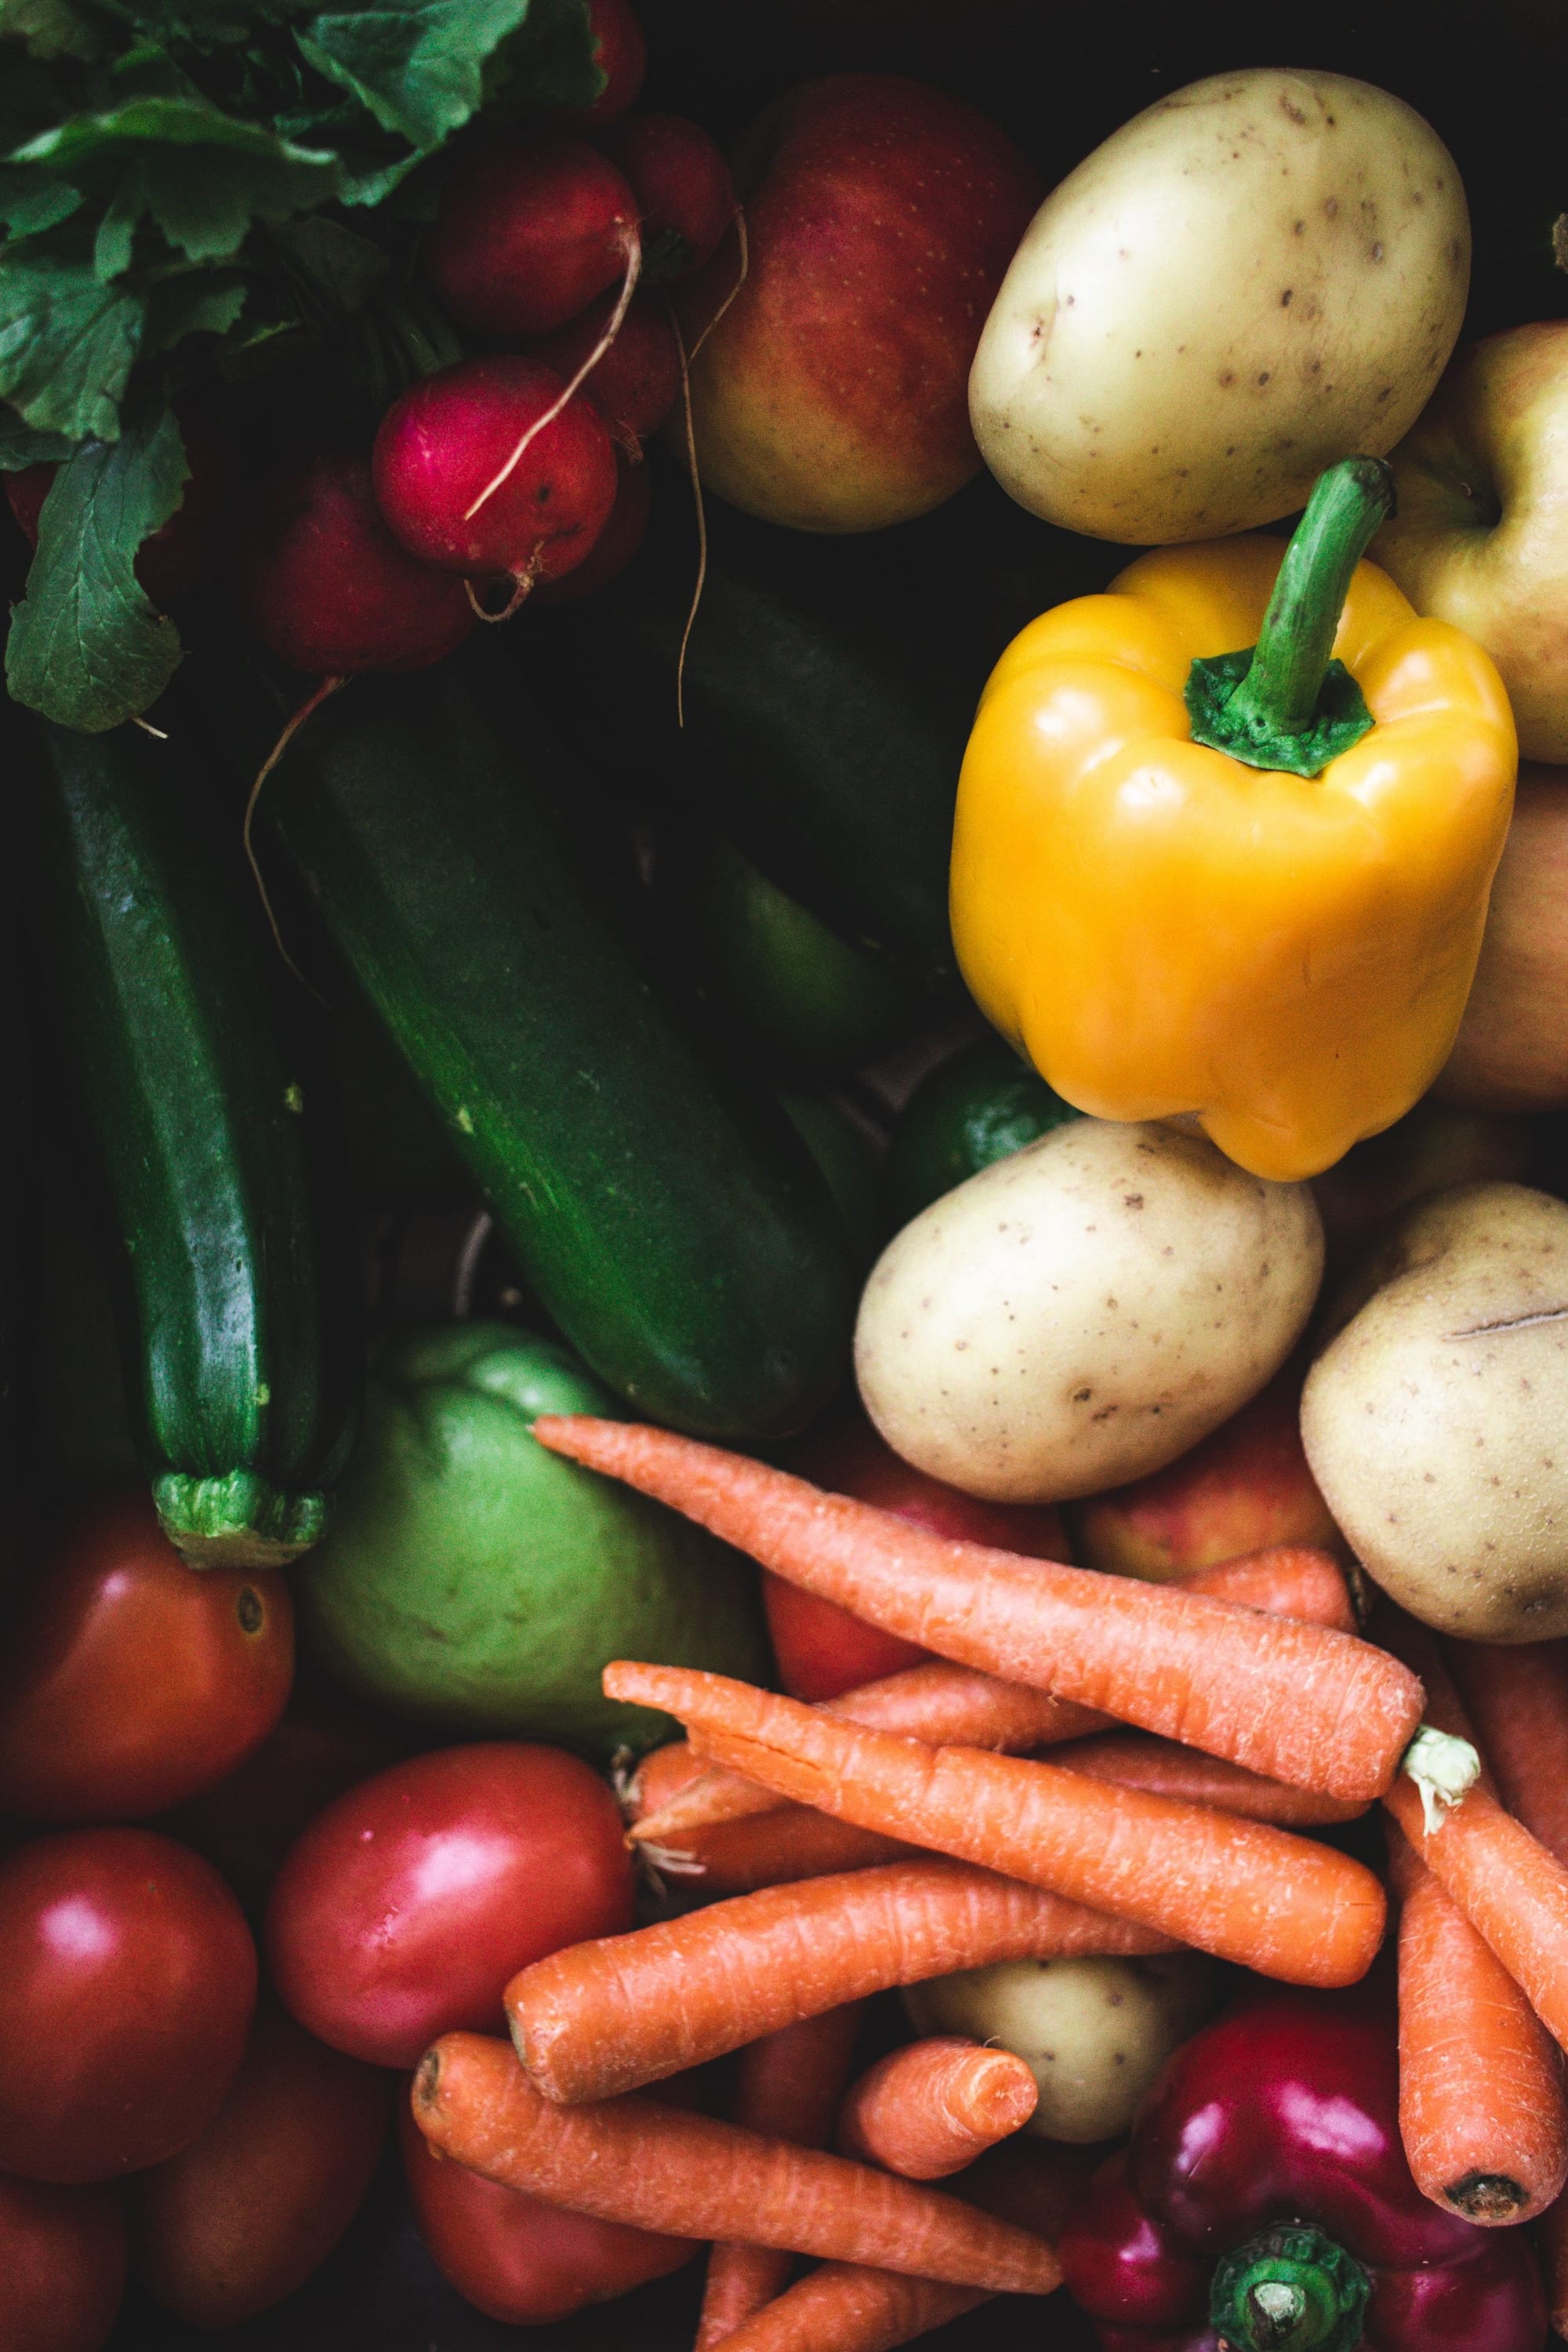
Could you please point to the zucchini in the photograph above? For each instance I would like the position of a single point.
(661, 1208)
(240, 1327)
(829, 689)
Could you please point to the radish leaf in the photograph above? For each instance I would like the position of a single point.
(66, 344)
(87, 647)
(419, 69)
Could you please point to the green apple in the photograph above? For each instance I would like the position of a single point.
(479, 1584)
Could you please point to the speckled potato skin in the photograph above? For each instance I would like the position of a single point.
(1435, 1421)
(1094, 2032)
(1084, 1310)
(1261, 274)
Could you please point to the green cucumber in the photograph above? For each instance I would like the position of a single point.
(661, 1206)
(241, 1327)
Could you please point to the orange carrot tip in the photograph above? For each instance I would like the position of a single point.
(931, 2108)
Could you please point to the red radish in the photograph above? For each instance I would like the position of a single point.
(620, 53)
(684, 191)
(181, 556)
(324, 584)
(435, 465)
(529, 231)
(636, 381)
(616, 545)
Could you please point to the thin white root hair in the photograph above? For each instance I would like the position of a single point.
(612, 328)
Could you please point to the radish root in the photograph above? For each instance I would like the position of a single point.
(612, 328)
(312, 704)
(686, 360)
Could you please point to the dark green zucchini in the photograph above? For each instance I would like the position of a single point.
(241, 1332)
(829, 689)
(659, 1205)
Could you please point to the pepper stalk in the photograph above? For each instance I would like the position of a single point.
(1285, 702)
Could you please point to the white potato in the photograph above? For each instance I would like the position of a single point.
(1436, 1420)
(1083, 1311)
(1259, 274)
(1094, 2032)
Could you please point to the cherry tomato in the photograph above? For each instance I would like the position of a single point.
(62, 2266)
(822, 1649)
(243, 2215)
(131, 1681)
(127, 1982)
(407, 1904)
(516, 2259)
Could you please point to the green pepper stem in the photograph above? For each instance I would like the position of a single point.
(1291, 2290)
(1280, 692)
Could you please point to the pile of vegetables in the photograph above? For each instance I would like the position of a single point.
(783, 1435)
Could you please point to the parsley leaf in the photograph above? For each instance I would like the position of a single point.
(66, 343)
(87, 647)
(418, 68)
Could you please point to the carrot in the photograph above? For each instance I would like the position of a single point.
(792, 1842)
(789, 2089)
(1519, 1698)
(1285, 1581)
(665, 2169)
(1481, 2108)
(1136, 1759)
(931, 2108)
(777, 1848)
(1514, 1893)
(1243, 1890)
(845, 2308)
(1299, 1703)
(1551, 2236)
(672, 1794)
(675, 1792)
(624, 2010)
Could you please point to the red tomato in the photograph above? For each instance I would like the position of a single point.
(243, 2215)
(516, 2259)
(62, 2266)
(127, 1982)
(407, 1904)
(326, 1741)
(131, 1681)
(822, 1649)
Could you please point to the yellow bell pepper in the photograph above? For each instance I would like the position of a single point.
(1250, 885)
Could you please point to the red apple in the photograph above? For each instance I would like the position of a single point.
(1480, 536)
(1511, 1052)
(880, 217)
(1246, 1487)
(1430, 1150)
(821, 1649)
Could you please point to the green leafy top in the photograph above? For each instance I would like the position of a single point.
(182, 184)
